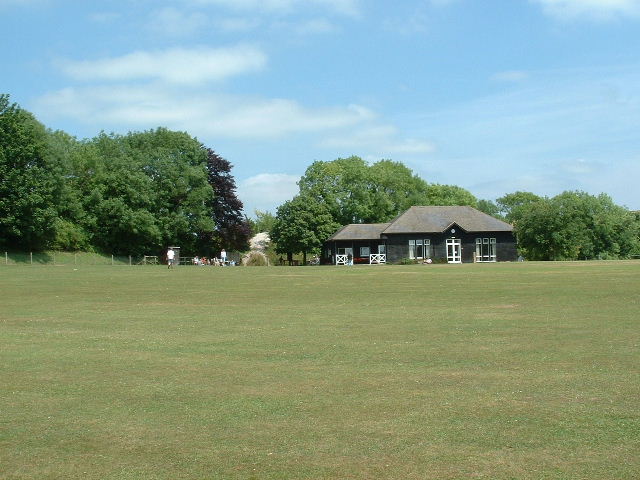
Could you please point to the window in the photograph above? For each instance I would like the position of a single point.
(419, 249)
(364, 251)
(485, 249)
(382, 248)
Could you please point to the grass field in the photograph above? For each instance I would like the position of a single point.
(497, 371)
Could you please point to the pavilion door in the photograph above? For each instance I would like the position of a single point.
(454, 250)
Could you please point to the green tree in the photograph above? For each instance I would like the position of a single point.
(64, 153)
(27, 184)
(489, 207)
(144, 191)
(510, 205)
(343, 186)
(119, 200)
(394, 189)
(264, 222)
(356, 192)
(176, 165)
(576, 225)
(449, 195)
(302, 225)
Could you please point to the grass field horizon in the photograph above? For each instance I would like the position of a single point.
(516, 370)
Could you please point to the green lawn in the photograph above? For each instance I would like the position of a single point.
(497, 371)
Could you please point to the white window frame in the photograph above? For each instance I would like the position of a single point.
(365, 251)
(486, 249)
(419, 249)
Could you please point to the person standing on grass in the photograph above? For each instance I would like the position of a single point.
(170, 256)
(223, 257)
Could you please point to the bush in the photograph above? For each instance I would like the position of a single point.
(407, 261)
(70, 237)
(255, 259)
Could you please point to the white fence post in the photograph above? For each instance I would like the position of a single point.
(30, 258)
(6, 258)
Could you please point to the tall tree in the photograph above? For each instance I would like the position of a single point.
(302, 226)
(343, 186)
(176, 165)
(232, 228)
(394, 188)
(27, 186)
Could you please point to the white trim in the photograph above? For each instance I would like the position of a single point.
(375, 258)
(486, 249)
(455, 254)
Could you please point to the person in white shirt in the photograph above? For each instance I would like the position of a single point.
(170, 256)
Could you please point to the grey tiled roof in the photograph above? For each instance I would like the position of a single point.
(362, 231)
(437, 219)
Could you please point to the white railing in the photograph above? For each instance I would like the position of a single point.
(341, 260)
(377, 258)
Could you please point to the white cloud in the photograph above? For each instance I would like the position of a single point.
(177, 65)
(581, 166)
(176, 23)
(237, 24)
(267, 191)
(510, 76)
(104, 17)
(315, 26)
(591, 9)
(378, 139)
(201, 114)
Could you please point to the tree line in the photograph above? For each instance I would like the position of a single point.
(121, 194)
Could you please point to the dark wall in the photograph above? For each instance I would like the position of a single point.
(398, 246)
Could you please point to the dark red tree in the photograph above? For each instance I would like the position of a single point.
(233, 230)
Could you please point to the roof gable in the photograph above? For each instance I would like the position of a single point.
(454, 226)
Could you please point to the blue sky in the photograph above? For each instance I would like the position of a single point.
(492, 95)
